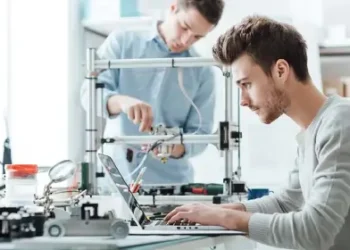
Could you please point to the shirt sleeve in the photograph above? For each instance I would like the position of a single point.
(205, 102)
(109, 50)
(323, 215)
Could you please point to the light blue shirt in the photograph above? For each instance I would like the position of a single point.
(159, 88)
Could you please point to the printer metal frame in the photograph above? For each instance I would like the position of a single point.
(227, 139)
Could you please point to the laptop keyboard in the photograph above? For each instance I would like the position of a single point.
(177, 223)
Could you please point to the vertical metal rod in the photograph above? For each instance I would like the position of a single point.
(100, 120)
(100, 107)
(91, 125)
(228, 153)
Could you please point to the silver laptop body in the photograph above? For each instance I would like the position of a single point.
(144, 225)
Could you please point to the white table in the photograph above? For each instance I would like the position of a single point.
(133, 243)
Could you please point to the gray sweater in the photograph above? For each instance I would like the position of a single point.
(312, 212)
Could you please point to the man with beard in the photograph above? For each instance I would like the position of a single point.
(270, 61)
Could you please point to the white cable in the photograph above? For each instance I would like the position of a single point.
(139, 166)
(182, 88)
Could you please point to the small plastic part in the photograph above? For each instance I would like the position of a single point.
(22, 169)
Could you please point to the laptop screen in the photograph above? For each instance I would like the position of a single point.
(123, 189)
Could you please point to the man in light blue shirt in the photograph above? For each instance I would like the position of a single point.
(138, 98)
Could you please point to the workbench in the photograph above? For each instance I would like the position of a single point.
(137, 242)
(133, 243)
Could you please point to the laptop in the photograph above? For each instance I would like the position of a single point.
(143, 225)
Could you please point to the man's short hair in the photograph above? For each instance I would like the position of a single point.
(265, 41)
(211, 10)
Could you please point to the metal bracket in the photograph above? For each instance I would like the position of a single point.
(228, 136)
(226, 74)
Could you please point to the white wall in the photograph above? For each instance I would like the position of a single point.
(3, 69)
(42, 68)
(336, 12)
(102, 9)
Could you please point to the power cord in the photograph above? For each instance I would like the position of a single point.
(182, 88)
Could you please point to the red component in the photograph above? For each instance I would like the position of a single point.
(199, 191)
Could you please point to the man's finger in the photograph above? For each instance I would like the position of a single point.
(137, 118)
(150, 117)
(145, 119)
(170, 215)
(179, 216)
(175, 211)
(191, 223)
(144, 147)
(155, 151)
(185, 221)
(131, 114)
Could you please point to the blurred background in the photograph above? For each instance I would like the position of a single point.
(42, 50)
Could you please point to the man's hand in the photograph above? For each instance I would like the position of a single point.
(199, 213)
(177, 151)
(138, 111)
(210, 215)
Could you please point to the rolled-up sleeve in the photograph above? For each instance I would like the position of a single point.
(109, 50)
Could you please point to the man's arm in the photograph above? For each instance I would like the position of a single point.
(110, 49)
(205, 102)
(322, 217)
